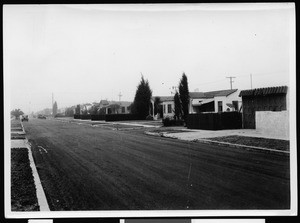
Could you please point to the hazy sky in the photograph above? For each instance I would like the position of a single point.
(85, 53)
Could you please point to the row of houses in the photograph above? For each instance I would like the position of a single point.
(261, 108)
(105, 107)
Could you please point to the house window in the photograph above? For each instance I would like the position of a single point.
(128, 108)
(169, 108)
(123, 109)
(220, 106)
(164, 109)
(235, 104)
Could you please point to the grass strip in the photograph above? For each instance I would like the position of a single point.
(277, 144)
(23, 192)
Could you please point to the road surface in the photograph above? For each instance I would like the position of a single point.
(97, 168)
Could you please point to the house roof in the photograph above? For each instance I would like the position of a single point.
(117, 103)
(104, 102)
(164, 98)
(193, 95)
(264, 91)
(212, 94)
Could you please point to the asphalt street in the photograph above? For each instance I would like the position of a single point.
(97, 168)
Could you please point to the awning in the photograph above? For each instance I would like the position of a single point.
(199, 102)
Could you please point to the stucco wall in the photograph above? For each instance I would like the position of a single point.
(273, 123)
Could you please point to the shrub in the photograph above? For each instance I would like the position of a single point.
(149, 117)
(59, 115)
(172, 122)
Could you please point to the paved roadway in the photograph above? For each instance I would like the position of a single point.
(95, 168)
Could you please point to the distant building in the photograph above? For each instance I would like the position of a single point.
(114, 107)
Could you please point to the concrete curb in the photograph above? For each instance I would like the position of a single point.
(165, 134)
(42, 200)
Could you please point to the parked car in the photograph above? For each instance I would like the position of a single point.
(41, 116)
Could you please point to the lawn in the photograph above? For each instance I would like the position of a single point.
(23, 192)
(255, 141)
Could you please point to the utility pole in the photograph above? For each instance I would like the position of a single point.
(120, 96)
(251, 80)
(231, 81)
(52, 103)
(174, 89)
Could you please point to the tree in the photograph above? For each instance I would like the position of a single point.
(184, 96)
(157, 105)
(77, 110)
(142, 99)
(178, 108)
(69, 112)
(54, 109)
(94, 110)
(17, 112)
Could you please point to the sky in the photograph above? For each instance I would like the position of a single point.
(85, 53)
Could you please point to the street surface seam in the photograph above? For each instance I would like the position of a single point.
(42, 200)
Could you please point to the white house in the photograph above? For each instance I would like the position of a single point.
(167, 106)
(212, 101)
(215, 101)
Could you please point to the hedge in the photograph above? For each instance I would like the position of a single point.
(172, 122)
(122, 117)
(82, 117)
(215, 121)
(97, 117)
(76, 116)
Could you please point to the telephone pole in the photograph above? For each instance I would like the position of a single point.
(231, 81)
(52, 103)
(251, 80)
(120, 96)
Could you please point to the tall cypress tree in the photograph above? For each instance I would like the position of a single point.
(142, 99)
(177, 104)
(54, 110)
(184, 96)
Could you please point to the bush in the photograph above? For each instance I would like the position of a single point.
(149, 117)
(172, 122)
(59, 115)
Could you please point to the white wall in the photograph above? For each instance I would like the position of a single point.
(275, 123)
